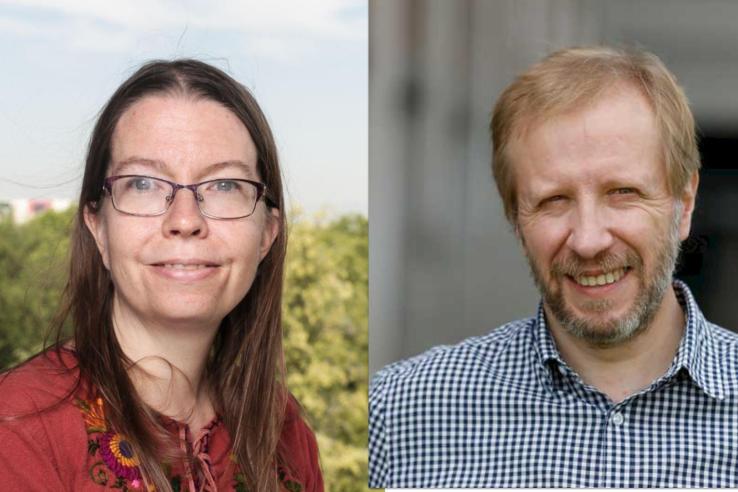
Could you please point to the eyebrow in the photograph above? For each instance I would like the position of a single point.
(162, 166)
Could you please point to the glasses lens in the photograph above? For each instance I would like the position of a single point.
(227, 198)
(141, 195)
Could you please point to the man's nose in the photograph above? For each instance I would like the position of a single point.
(590, 231)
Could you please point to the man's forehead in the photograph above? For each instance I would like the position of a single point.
(621, 96)
(616, 134)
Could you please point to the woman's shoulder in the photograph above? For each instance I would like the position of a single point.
(294, 420)
(44, 380)
(299, 447)
(42, 426)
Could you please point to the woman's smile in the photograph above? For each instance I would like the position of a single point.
(186, 271)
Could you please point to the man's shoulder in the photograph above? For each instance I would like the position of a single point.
(724, 350)
(724, 338)
(415, 404)
(461, 361)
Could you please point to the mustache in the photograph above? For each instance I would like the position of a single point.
(574, 265)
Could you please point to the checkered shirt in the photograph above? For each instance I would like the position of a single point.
(504, 410)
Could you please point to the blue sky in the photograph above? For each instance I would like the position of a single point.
(305, 61)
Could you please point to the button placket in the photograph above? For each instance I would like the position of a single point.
(612, 454)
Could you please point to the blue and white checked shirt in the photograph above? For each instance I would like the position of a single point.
(504, 410)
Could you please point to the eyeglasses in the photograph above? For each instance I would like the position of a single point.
(145, 196)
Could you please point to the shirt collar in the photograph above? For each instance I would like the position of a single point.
(697, 353)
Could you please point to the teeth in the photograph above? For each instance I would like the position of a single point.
(602, 279)
(180, 266)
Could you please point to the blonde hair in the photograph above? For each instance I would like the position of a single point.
(572, 78)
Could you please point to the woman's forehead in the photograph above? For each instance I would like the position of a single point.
(169, 133)
(142, 165)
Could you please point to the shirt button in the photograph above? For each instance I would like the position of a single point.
(617, 419)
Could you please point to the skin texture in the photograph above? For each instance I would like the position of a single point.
(165, 321)
(593, 197)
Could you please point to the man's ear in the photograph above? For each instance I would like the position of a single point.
(96, 225)
(688, 198)
(270, 231)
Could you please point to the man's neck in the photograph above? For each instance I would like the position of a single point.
(622, 370)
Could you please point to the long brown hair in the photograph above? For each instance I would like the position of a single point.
(246, 367)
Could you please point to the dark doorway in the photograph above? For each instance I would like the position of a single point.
(709, 263)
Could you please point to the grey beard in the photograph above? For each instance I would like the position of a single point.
(651, 294)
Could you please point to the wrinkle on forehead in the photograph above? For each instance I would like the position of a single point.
(592, 144)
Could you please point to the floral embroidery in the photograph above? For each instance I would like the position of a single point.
(118, 455)
(116, 452)
(239, 483)
(93, 415)
(289, 484)
(117, 467)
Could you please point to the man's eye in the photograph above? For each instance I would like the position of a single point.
(553, 202)
(623, 191)
(553, 199)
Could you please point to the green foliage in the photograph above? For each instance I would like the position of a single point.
(326, 340)
(325, 322)
(33, 259)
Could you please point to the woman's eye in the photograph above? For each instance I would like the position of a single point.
(226, 186)
(141, 184)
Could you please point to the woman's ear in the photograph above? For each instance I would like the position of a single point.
(95, 223)
(270, 231)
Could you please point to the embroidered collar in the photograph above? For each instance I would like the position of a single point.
(115, 464)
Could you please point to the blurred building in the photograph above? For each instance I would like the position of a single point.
(24, 209)
(444, 264)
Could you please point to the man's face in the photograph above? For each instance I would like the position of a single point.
(600, 229)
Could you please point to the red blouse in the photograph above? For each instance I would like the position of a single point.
(69, 447)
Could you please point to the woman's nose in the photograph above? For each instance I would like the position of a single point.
(184, 217)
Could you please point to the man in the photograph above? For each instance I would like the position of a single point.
(618, 381)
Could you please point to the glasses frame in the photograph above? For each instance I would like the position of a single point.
(261, 191)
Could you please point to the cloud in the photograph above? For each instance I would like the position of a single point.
(115, 26)
(20, 27)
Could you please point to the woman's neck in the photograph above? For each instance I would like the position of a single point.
(169, 361)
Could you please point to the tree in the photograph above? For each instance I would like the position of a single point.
(33, 259)
(326, 340)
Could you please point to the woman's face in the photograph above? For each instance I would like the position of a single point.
(181, 267)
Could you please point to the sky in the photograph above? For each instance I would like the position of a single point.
(305, 61)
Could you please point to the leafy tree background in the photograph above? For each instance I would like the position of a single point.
(325, 321)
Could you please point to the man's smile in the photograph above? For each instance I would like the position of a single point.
(604, 278)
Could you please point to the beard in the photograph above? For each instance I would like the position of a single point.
(598, 329)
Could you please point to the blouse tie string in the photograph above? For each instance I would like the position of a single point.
(205, 481)
(187, 467)
(200, 450)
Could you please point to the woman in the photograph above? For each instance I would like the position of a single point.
(173, 379)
